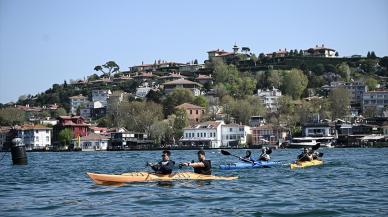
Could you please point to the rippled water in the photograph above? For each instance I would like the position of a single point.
(352, 182)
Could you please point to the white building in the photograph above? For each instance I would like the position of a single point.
(36, 137)
(234, 135)
(206, 134)
(270, 98)
(142, 92)
(101, 96)
(92, 142)
(76, 102)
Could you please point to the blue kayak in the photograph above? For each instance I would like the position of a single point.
(246, 165)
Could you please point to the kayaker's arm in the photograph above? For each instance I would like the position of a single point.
(194, 165)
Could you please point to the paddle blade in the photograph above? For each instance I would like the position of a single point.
(225, 152)
(315, 147)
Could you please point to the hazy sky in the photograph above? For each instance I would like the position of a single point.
(47, 42)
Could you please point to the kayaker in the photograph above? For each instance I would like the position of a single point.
(203, 166)
(315, 155)
(165, 166)
(247, 157)
(305, 155)
(264, 156)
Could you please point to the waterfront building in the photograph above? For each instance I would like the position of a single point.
(194, 112)
(268, 135)
(92, 142)
(205, 135)
(76, 124)
(270, 98)
(125, 140)
(234, 135)
(34, 137)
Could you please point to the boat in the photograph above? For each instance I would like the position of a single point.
(301, 142)
(246, 165)
(152, 177)
(303, 164)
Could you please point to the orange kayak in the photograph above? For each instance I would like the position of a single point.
(152, 177)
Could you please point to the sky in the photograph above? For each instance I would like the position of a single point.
(43, 42)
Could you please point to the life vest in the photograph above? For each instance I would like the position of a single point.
(207, 170)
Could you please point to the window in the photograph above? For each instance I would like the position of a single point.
(196, 111)
(47, 139)
(36, 138)
(230, 129)
(191, 111)
(197, 134)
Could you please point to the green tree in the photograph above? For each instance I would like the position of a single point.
(110, 67)
(318, 69)
(11, 116)
(65, 136)
(344, 70)
(373, 55)
(201, 101)
(296, 83)
(58, 112)
(140, 116)
(274, 78)
(176, 97)
(339, 100)
(371, 83)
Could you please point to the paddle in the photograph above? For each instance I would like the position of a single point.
(225, 152)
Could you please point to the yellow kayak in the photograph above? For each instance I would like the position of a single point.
(152, 177)
(304, 164)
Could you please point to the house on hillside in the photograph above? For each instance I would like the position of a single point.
(194, 112)
(270, 98)
(319, 51)
(182, 83)
(77, 102)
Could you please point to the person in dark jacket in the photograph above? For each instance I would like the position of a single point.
(247, 157)
(305, 155)
(165, 166)
(203, 166)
